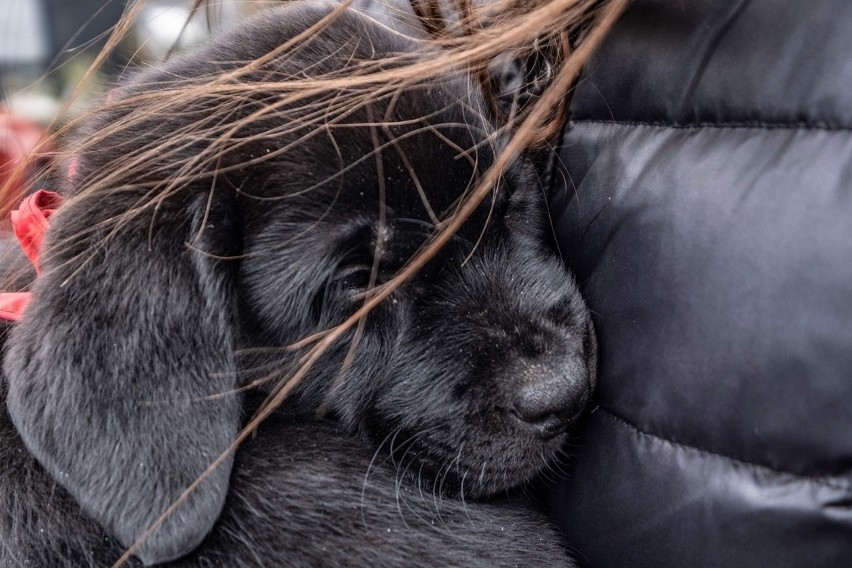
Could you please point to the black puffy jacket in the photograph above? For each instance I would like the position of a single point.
(706, 207)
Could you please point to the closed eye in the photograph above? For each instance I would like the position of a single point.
(343, 287)
(354, 276)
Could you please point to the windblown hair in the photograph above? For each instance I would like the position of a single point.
(227, 112)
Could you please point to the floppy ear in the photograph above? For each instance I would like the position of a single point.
(115, 367)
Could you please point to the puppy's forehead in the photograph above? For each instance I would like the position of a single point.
(415, 160)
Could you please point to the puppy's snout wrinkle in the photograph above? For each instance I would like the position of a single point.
(553, 396)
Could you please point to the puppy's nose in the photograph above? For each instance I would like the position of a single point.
(553, 397)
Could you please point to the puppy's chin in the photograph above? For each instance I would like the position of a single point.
(476, 468)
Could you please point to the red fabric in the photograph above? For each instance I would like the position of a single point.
(30, 223)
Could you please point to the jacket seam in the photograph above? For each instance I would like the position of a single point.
(821, 126)
(829, 481)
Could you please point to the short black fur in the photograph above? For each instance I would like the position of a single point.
(461, 388)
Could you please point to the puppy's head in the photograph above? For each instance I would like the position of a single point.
(476, 369)
(494, 357)
(124, 374)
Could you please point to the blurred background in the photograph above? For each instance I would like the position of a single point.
(46, 47)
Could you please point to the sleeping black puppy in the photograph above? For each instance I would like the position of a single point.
(159, 302)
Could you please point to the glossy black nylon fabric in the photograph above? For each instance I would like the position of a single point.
(707, 211)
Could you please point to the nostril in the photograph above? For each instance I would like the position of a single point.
(551, 403)
(547, 426)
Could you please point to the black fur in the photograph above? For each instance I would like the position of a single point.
(459, 389)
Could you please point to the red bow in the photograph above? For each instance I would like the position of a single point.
(29, 222)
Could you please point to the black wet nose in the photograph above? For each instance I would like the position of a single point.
(552, 397)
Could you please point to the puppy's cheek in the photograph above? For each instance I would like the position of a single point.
(362, 370)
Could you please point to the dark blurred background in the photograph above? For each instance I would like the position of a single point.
(46, 47)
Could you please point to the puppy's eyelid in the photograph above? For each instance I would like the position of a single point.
(352, 272)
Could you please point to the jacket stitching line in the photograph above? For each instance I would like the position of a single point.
(828, 481)
(826, 127)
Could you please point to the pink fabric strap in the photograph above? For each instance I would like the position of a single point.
(30, 223)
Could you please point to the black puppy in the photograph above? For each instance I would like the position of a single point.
(122, 381)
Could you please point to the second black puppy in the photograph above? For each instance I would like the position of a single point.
(167, 288)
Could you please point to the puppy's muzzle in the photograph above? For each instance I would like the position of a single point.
(552, 396)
